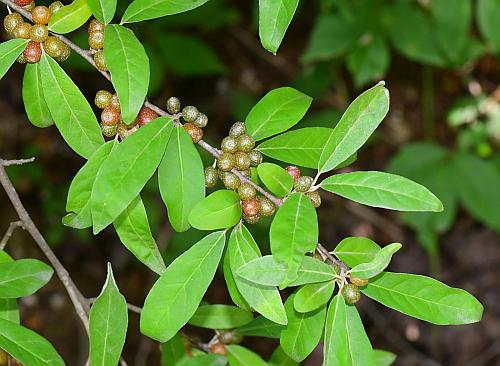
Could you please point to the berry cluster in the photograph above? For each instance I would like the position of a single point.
(194, 120)
(303, 183)
(37, 33)
(96, 43)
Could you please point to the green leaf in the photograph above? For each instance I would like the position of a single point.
(280, 358)
(205, 360)
(80, 190)
(34, 101)
(9, 52)
(293, 233)
(265, 300)
(132, 226)
(274, 19)
(26, 346)
(108, 324)
(303, 332)
(152, 9)
(241, 356)
(383, 358)
(173, 352)
(358, 122)
(356, 250)
(424, 298)
(268, 271)
(126, 171)
(261, 327)
(103, 10)
(181, 178)
(276, 112)
(128, 65)
(311, 296)
(220, 210)
(70, 110)
(360, 349)
(8, 307)
(220, 317)
(175, 297)
(488, 12)
(377, 264)
(234, 293)
(275, 178)
(299, 147)
(369, 60)
(379, 189)
(70, 17)
(23, 277)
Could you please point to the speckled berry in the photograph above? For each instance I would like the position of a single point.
(39, 33)
(242, 161)
(351, 294)
(21, 59)
(360, 282)
(145, 116)
(23, 2)
(99, 61)
(66, 52)
(96, 40)
(194, 131)
(190, 113)
(96, 26)
(110, 116)
(293, 171)
(225, 162)
(41, 15)
(246, 192)
(103, 99)
(11, 21)
(237, 129)
(211, 177)
(315, 198)
(201, 121)
(109, 131)
(115, 102)
(303, 183)
(251, 207)
(29, 8)
(23, 30)
(230, 180)
(55, 7)
(267, 208)
(251, 219)
(33, 52)
(53, 46)
(125, 130)
(245, 143)
(218, 348)
(255, 158)
(228, 145)
(247, 173)
(173, 105)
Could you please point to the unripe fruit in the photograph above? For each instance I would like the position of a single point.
(190, 113)
(99, 61)
(173, 105)
(267, 208)
(96, 26)
(55, 7)
(23, 30)
(315, 198)
(125, 131)
(39, 33)
(103, 99)
(29, 8)
(41, 15)
(211, 176)
(293, 171)
(246, 192)
(66, 52)
(96, 40)
(255, 158)
(21, 59)
(245, 143)
(115, 102)
(109, 131)
(195, 132)
(11, 21)
(360, 282)
(201, 121)
(33, 52)
(242, 161)
(218, 348)
(251, 219)
(351, 294)
(53, 46)
(251, 207)
(23, 2)
(230, 180)
(303, 183)
(225, 162)
(230, 337)
(247, 173)
(145, 116)
(110, 116)
(228, 144)
(237, 129)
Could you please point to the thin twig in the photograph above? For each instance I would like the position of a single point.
(16, 162)
(13, 226)
(133, 308)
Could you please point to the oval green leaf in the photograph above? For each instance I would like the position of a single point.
(241, 356)
(261, 327)
(280, 358)
(103, 10)
(8, 307)
(34, 101)
(70, 17)
(220, 317)
(378, 264)
(9, 52)
(275, 178)
(274, 19)
(220, 210)
(151, 9)
(234, 293)
(383, 358)
(311, 296)
(356, 250)
(23, 277)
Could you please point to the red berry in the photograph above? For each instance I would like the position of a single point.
(251, 207)
(194, 131)
(145, 116)
(41, 15)
(23, 2)
(293, 171)
(33, 52)
(110, 116)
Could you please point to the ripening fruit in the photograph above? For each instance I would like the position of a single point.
(267, 208)
(66, 52)
(21, 59)
(110, 116)
(237, 129)
(39, 33)
(103, 99)
(218, 348)
(303, 183)
(228, 145)
(41, 15)
(23, 30)
(255, 158)
(115, 102)
(23, 2)
(201, 121)
(251, 207)
(225, 162)
(245, 143)
(33, 52)
(195, 132)
(190, 113)
(96, 40)
(211, 176)
(251, 219)
(360, 282)
(29, 8)
(315, 198)
(99, 61)
(242, 161)
(173, 105)
(351, 294)
(145, 116)
(293, 171)
(4, 358)
(230, 180)
(125, 130)
(109, 131)
(96, 26)
(55, 6)
(53, 46)
(246, 191)
(230, 337)
(11, 21)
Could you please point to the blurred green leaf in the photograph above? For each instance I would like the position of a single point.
(369, 61)
(140, 10)
(173, 352)
(280, 358)
(241, 356)
(70, 17)
(488, 12)
(383, 358)
(220, 317)
(34, 101)
(261, 327)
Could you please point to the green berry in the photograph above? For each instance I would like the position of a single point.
(255, 157)
(228, 145)
(351, 294)
(11, 21)
(231, 180)
(96, 40)
(251, 219)
(242, 161)
(246, 191)
(303, 183)
(315, 198)
(39, 33)
(23, 30)
(237, 129)
(103, 99)
(360, 282)
(190, 113)
(201, 121)
(53, 46)
(225, 162)
(245, 143)
(55, 6)
(210, 176)
(96, 26)
(99, 61)
(267, 208)
(173, 105)
(109, 131)
(66, 52)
